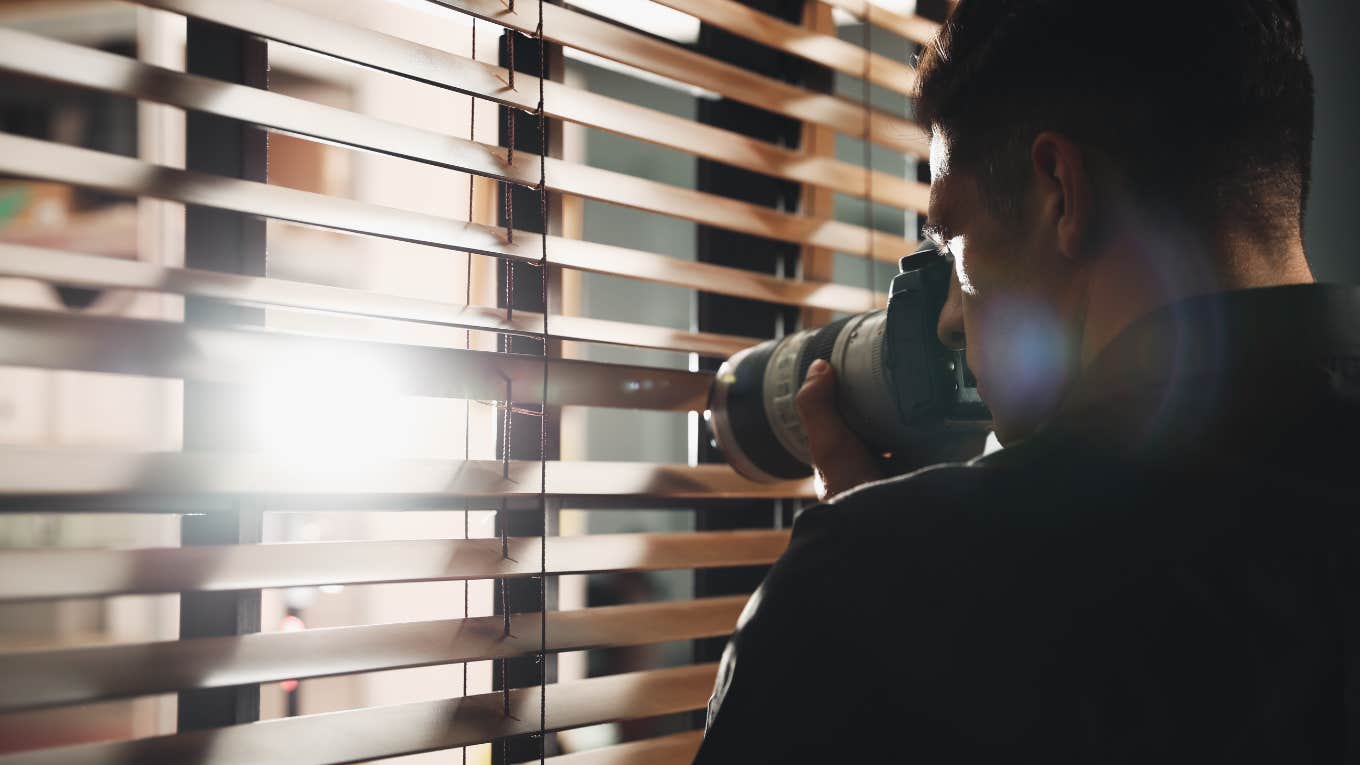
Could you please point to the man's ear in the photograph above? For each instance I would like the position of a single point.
(1064, 191)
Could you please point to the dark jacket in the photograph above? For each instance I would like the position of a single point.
(1166, 573)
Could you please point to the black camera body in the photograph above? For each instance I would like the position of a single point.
(932, 382)
(898, 387)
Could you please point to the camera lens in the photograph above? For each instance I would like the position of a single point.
(897, 387)
(753, 414)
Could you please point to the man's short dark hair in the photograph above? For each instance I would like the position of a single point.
(1204, 107)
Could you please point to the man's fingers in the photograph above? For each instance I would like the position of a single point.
(816, 402)
(841, 458)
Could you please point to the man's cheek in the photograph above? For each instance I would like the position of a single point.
(975, 342)
(1022, 354)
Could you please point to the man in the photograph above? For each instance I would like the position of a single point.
(1161, 564)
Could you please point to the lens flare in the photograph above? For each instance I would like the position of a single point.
(327, 410)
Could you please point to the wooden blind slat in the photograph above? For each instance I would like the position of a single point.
(366, 734)
(29, 473)
(588, 256)
(575, 30)
(118, 345)
(675, 749)
(714, 210)
(68, 573)
(36, 679)
(367, 47)
(918, 29)
(430, 481)
(824, 49)
(66, 268)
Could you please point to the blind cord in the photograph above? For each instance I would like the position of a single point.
(467, 345)
(509, 195)
(544, 274)
(507, 414)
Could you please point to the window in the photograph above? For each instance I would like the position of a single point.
(301, 412)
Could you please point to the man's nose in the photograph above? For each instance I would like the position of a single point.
(950, 327)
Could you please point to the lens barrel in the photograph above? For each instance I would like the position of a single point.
(752, 411)
(742, 425)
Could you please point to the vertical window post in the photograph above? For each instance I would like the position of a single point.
(219, 240)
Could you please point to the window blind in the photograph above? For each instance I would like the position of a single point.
(275, 305)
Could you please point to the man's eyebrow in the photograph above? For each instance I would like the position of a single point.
(936, 231)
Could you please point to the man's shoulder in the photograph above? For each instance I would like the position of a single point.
(947, 480)
(945, 509)
(947, 491)
(994, 515)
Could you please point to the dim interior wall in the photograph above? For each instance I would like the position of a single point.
(1332, 226)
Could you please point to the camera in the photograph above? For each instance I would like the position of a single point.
(898, 387)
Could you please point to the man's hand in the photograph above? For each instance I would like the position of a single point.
(842, 460)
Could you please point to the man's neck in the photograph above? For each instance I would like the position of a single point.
(1140, 274)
